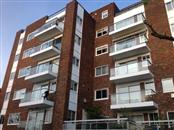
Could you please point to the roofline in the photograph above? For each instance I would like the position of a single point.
(129, 7)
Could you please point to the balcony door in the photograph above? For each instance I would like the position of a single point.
(130, 94)
(35, 120)
(39, 91)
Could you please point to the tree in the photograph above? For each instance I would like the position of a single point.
(154, 32)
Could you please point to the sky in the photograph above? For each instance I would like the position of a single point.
(17, 14)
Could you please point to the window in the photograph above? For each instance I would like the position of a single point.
(24, 72)
(1, 119)
(101, 94)
(129, 94)
(21, 41)
(79, 20)
(153, 116)
(19, 94)
(53, 86)
(149, 88)
(75, 61)
(71, 115)
(172, 27)
(167, 85)
(7, 96)
(170, 5)
(102, 32)
(170, 115)
(73, 85)
(30, 36)
(101, 50)
(16, 57)
(12, 75)
(48, 116)
(27, 53)
(13, 118)
(77, 40)
(104, 14)
(101, 70)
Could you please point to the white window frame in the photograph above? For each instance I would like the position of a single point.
(171, 79)
(104, 14)
(13, 123)
(101, 31)
(148, 94)
(101, 48)
(49, 112)
(101, 67)
(95, 94)
(19, 91)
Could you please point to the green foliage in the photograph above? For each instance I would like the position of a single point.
(94, 112)
(145, 2)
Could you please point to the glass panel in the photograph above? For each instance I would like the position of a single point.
(123, 98)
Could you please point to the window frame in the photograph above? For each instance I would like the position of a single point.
(107, 93)
(170, 79)
(9, 118)
(19, 91)
(104, 14)
(101, 70)
(101, 31)
(101, 48)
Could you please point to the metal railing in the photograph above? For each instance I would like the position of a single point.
(127, 43)
(156, 125)
(130, 97)
(45, 45)
(118, 124)
(127, 22)
(44, 67)
(34, 95)
(59, 25)
(129, 68)
(95, 124)
(56, 13)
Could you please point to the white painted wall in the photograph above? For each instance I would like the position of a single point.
(129, 13)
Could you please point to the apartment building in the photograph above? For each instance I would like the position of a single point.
(72, 60)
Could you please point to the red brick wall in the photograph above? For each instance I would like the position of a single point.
(162, 52)
(103, 81)
(85, 90)
(65, 67)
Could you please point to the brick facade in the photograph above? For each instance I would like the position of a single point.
(161, 52)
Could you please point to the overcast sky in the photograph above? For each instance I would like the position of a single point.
(17, 14)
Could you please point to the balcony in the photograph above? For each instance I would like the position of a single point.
(49, 30)
(130, 47)
(133, 100)
(42, 72)
(45, 51)
(35, 99)
(31, 125)
(127, 26)
(131, 72)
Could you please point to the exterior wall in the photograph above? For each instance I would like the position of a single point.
(85, 91)
(162, 53)
(64, 78)
(103, 81)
